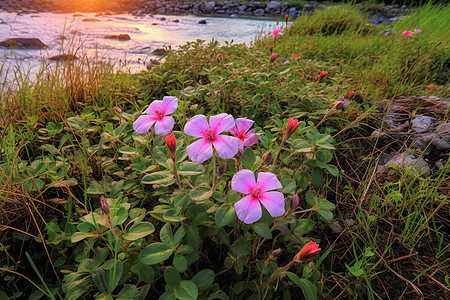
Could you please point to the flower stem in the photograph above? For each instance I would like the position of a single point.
(214, 171)
(177, 176)
(279, 150)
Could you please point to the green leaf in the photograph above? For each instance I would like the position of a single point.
(240, 247)
(127, 150)
(138, 231)
(262, 230)
(309, 290)
(289, 186)
(78, 236)
(157, 177)
(248, 158)
(145, 272)
(180, 263)
(186, 290)
(179, 235)
(128, 292)
(301, 144)
(172, 276)
(191, 168)
(203, 279)
(333, 170)
(155, 253)
(224, 215)
(324, 156)
(200, 193)
(317, 177)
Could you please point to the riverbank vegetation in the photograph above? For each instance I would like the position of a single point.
(90, 208)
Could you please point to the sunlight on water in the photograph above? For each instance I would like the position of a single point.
(65, 33)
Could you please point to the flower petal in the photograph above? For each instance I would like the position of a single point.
(143, 123)
(154, 107)
(250, 138)
(200, 150)
(196, 126)
(243, 181)
(248, 209)
(226, 146)
(169, 105)
(268, 181)
(243, 124)
(273, 202)
(221, 122)
(164, 126)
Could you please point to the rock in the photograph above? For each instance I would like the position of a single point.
(442, 140)
(63, 57)
(209, 7)
(335, 227)
(422, 123)
(24, 43)
(162, 19)
(159, 52)
(408, 160)
(394, 19)
(120, 37)
(275, 5)
(259, 12)
(90, 20)
(78, 15)
(176, 21)
(202, 22)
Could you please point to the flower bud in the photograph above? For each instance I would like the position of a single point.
(222, 168)
(309, 250)
(323, 73)
(294, 202)
(351, 93)
(273, 57)
(117, 110)
(172, 144)
(275, 254)
(286, 17)
(104, 205)
(266, 159)
(291, 126)
(271, 49)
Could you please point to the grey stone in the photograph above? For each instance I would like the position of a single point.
(442, 140)
(275, 5)
(25, 43)
(408, 160)
(422, 123)
(202, 22)
(209, 7)
(259, 12)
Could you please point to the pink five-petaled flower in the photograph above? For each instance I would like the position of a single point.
(157, 113)
(248, 209)
(323, 73)
(407, 33)
(417, 31)
(241, 131)
(275, 32)
(200, 150)
(309, 250)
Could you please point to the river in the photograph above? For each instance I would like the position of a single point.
(68, 32)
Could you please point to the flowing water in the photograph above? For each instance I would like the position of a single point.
(68, 32)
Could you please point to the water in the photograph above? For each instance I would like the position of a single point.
(147, 33)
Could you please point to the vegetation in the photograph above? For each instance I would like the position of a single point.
(92, 209)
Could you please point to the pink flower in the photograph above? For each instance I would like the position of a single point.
(200, 150)
(417, 30)
(275, 32)
(351, 93)
(241, 131)
(309, 250)
(157, 113)
(273, 57)
(293, 56)
(431, 86)
(341, 61)
(407, 33)
(323, 73)
(286, 62)
(248, 209)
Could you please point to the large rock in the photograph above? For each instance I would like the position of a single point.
(120, 37)
(24, 43)
(275, 5)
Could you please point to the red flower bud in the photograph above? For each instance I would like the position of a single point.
(291, 126)
(294, 202)
(172, 144)
(323, 73)
(104, 205)
(273, 57)
(351, 93)
(275, 254)
(266, 159)
(271, 49)
(309, 250)
(286, 17)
